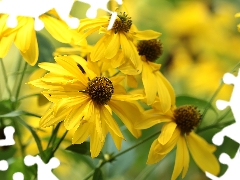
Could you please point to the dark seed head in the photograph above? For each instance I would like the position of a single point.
(151, 49)
(122, 24)
(187, 117)
(100, 89)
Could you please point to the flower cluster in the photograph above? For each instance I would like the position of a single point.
(88, 87)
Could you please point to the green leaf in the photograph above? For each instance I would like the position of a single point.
(5, 106)
(35, 136)
(97, 174)
(188, 100)
(18, 166)
(18, 113)
(83, 149)
(7, 152)
(45, 47)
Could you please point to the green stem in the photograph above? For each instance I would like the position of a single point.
(219, 125)
(57, 146)
(53, 136)
(27, 96)
(216, 92)
(20, 81)
(5, 78)
(102, 162)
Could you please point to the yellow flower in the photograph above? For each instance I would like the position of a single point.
(153, 81)
(120, 36)
(24, 35)
(85, 101)
(177, 131)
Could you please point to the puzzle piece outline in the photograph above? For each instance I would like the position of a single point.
(230, 131)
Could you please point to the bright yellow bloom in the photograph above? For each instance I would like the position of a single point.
(24, 36)
(120, 36)
(177, 131)
(85, 101)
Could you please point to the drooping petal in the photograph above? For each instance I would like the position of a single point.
(167, 132)
(117, 140)
(154, 157)
(113, 46)
(128, 113)
(24, 35)
(5, 44)
(147, 35)
(110, 122)
(149, 83)
(98, 51)
(150, 119)
(96, 143)
(166, 148)
(182, 159)
(163, 93)
(98, 122)
(202, 153)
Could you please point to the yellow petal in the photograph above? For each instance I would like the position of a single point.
(168, 86)
(96, 143)
(167, 132)
(149, 83)
(117, 140)
(131, 81)
(71, 66)
(128, 113)
(49, 119)
(5, 44)
(98, 119)
(163, 93)
(25, 34)
(123, 97)
(130, 51)
(154, 157)
(70, 102)
(54, 68)
(182, 159)
(78, 115)
(150, 119)
(202, 153)
(98, 51)
(111, 122)
(166, 148)
(117, 79)
(113, 46)
(82, 133)
(58, 29)
(88, 23)
(147, 35)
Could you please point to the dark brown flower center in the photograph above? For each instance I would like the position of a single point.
(151, 49)
(122, 24)
(187, 117)
(100, 89)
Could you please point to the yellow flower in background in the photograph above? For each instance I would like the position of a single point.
(85, 101)
(121, 36)
(24, 36)
(178, 131)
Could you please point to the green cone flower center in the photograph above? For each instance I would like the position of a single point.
(123, 24)
(151, 49)
(100, 89)
(187, 118)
